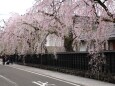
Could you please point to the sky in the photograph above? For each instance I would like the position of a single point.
(14, 6)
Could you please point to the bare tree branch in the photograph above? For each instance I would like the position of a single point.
(36, 28)
(104, 7)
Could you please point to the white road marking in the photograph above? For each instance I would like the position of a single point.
(75, 84)
(8, 80)
(43, 84)
(37, 83)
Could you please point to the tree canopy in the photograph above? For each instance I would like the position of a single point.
(71, 20)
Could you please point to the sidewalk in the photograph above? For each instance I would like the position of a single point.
(70, 78)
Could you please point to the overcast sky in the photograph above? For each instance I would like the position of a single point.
(14, 6)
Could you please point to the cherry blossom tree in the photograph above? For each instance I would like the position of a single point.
(95, 16)
(59, 16)
(19, 36)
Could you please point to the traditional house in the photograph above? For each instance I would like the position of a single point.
(86, 29)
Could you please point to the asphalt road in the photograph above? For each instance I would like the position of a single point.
(10, 76)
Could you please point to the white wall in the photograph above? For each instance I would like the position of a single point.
(53, 40)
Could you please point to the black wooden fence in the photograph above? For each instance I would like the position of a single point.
(110, 61)
(73, 61)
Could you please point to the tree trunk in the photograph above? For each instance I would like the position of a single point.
(68, 41)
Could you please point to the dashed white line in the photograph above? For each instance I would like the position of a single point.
(43, 84)
(8, 80)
